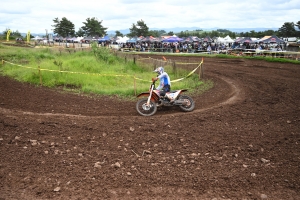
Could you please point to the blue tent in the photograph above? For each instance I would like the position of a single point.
(172, 39)
(149, 39)
(273, 39)
(191, 39)
(132, 40)
(104, 39)
(243, 40)
(207, 39)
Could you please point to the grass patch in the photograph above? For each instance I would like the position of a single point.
(97, 71)
(264, 58)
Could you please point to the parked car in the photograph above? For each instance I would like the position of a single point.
(86, 40)
(58, 39)
(69, 40)
(89, 39)
(77, 40)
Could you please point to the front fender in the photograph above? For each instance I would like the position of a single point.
(154, 96)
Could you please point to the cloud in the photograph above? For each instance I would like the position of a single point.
(37, 16)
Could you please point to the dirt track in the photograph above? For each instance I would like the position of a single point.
(241, 142)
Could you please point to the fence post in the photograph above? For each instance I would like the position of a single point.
(174, 67)
(201, 71)
(134, 85)
(41, 82)
(154, 64)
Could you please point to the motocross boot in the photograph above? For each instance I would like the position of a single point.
(165, 99)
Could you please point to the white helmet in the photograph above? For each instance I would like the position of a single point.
(159, 70)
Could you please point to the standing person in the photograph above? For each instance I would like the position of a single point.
(208, 49)
(165, 83)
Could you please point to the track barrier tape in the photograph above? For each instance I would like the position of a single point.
(180, 79)
(165, 61)
(54, 70)
(96, 74)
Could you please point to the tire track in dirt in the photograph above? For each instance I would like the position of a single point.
(241, 142)
(233, 96)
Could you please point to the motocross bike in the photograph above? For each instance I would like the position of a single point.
(149, 101)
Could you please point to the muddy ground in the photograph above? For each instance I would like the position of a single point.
(242, 141)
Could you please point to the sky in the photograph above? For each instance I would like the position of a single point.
(37, 16)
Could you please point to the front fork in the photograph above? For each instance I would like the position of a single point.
(150, 94)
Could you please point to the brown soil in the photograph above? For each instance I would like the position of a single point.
(241, 142)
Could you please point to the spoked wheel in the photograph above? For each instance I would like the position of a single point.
(188, 105)
(144, 109)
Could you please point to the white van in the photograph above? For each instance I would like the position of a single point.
(290, 39)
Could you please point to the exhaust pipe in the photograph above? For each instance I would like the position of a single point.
(180, 102)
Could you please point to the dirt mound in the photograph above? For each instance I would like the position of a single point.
(241, 142)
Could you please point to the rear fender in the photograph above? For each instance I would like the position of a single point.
(184, 90)
(181, 91)
(177, 92)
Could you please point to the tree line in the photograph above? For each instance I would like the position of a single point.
(93, 27)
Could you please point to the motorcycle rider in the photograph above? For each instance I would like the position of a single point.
(165, 83)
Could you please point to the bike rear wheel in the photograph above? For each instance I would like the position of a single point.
(144, 109)
(189, 103)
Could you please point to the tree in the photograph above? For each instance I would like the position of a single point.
(223, 30)
(268, 32)
(118, 33)
(63, 27)
(140, 29)
(171, 33)
(5, 32)
(214, 34)
(183, 34)
(287, 29)
(80, 33)
(16, 33)
(161, 32)
(232, 34)
(13, 34)
(93, 27)
(156, 33)
(298, 26)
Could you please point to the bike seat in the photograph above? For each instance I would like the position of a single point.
(172, 91)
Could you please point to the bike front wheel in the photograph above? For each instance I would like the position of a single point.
(146, 109)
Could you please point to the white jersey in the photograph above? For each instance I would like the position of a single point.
(164, 80)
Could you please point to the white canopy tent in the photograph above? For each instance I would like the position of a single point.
(228, 39)
(220, 40)
(225, 40)
(122, 39)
